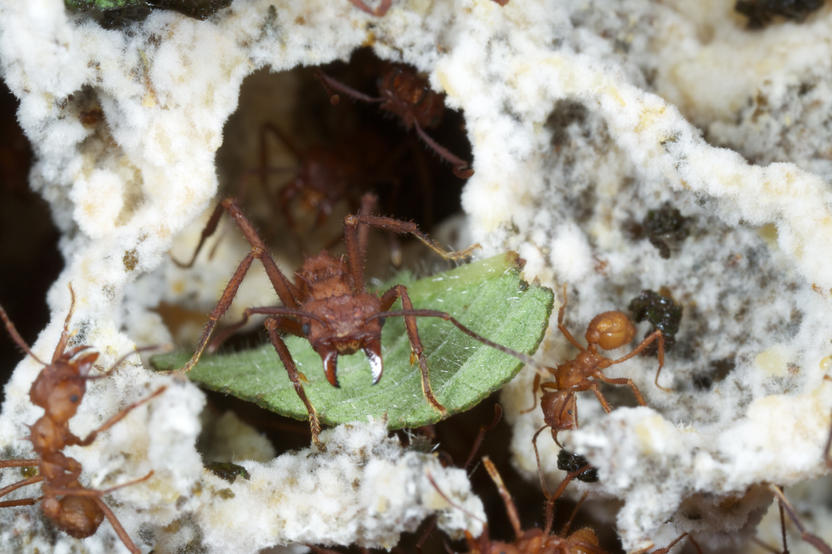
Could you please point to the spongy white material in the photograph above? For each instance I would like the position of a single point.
(362, 488)
(576, 114)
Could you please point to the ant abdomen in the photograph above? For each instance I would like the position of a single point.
(79, 516)
(610, 330)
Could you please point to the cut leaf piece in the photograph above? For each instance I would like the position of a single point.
(487, 296)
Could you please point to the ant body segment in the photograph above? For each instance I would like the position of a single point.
(59, 389)
(407, 95)
(328, 303)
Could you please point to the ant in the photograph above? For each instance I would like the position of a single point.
(59, 389)
(328, 303)
(406, 94)
(607, 330)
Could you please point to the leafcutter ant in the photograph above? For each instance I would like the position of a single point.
(607, 330)
(59, 389)
(404, 93)
(328, 303)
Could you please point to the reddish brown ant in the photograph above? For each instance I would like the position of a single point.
(607, 330)
(59, 389)
(328, 303)
(404, 93)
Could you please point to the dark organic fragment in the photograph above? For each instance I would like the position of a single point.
(227, 470)
(569, 462)
(661, 311)
(663, 225)
(112, 14)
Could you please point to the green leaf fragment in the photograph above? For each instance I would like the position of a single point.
(487, 296)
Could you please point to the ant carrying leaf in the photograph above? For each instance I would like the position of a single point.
(488, 296)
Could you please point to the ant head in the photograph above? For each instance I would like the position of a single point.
(610, 330)
(59, 391)
(64, 398)
(560, 410)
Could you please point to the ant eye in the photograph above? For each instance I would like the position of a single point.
(381, 321)
(305, 328)
(74, 398)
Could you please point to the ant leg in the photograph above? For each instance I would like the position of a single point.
(207, 231)
(622, 381)
(116, 418)
(537, 457)
(461, 168)
(565, 529)
(284, 289)
(20, 502)
(117, 527)
(655, 335)
(562, 328)
(535, 389)
(511, 509)
(498, 415)
(290, 326)
(550, 499)
(382, 8)
(604, 404)
(405, 227)
(819, 544)
(273, 325)
(667, 548)
(14, 486)
(329, 84)
(400, 291)
(19, 463)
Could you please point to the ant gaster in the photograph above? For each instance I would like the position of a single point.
(328, 303)
(607, 330)
(59, 389)
(404, 93)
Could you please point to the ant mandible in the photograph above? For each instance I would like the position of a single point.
(406, 94)
(59, 389)
(607, 330)
(328, 303)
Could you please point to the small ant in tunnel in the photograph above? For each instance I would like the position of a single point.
(59, 389)
(406, 94)
(607, 330)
